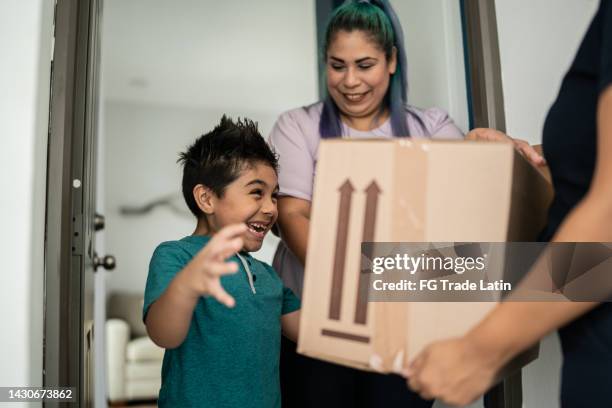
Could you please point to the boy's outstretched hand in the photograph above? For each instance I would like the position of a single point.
(169, 317)
(202, 276)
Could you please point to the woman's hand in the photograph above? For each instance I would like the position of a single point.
(492, 135)
(455, 371)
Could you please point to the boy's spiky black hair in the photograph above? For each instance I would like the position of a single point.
(218, 157)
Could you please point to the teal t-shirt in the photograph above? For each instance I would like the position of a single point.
(230, 357)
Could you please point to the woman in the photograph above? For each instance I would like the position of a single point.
(578, 146)
(366, 84)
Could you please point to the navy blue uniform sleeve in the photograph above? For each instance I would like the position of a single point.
(605, 78)
(168, 259)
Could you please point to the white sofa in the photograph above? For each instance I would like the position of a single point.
(133, 360)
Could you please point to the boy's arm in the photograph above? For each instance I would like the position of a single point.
(291, 325)
(169, 317)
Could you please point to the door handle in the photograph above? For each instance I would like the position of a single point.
(108, 262)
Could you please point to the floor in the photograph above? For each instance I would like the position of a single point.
(135, 404)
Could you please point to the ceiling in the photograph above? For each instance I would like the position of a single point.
(203, 53)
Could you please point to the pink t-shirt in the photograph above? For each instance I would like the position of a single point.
(295, 138)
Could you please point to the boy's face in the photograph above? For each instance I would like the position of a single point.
(250, 199)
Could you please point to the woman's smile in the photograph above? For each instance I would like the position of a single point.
(355, 97)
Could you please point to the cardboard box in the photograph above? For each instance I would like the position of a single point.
(405, 191)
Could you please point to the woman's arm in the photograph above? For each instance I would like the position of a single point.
(294, 222)
(459, 370)
(290, 323)
(294, 140)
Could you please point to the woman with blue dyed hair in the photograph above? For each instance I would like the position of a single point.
(366, 72)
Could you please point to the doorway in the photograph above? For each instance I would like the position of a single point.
(167, 72)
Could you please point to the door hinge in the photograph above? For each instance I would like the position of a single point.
(77, 232)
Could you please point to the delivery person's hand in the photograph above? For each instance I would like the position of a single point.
(202, 276)
(492, 135)
(455, 371)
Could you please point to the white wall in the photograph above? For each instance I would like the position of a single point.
(538, 40)
(434, 49)
(211, 54)
(25, 45)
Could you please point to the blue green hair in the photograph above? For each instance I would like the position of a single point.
(378, 20)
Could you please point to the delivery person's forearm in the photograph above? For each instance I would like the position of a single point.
(514, 326)
(169, 316)
(517, 325)
(590, 221)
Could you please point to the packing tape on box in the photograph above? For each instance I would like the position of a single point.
(389, 348)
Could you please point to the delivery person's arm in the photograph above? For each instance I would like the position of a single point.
(294, 222)
(458, 371)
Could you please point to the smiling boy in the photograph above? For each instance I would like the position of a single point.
(220, 322)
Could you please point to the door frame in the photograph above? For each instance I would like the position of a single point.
(483, 64)
(68, 229)
(72, 143)
(486, 107)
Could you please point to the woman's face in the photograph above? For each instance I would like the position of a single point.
(358, 74)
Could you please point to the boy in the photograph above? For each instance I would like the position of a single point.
(220, 322)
